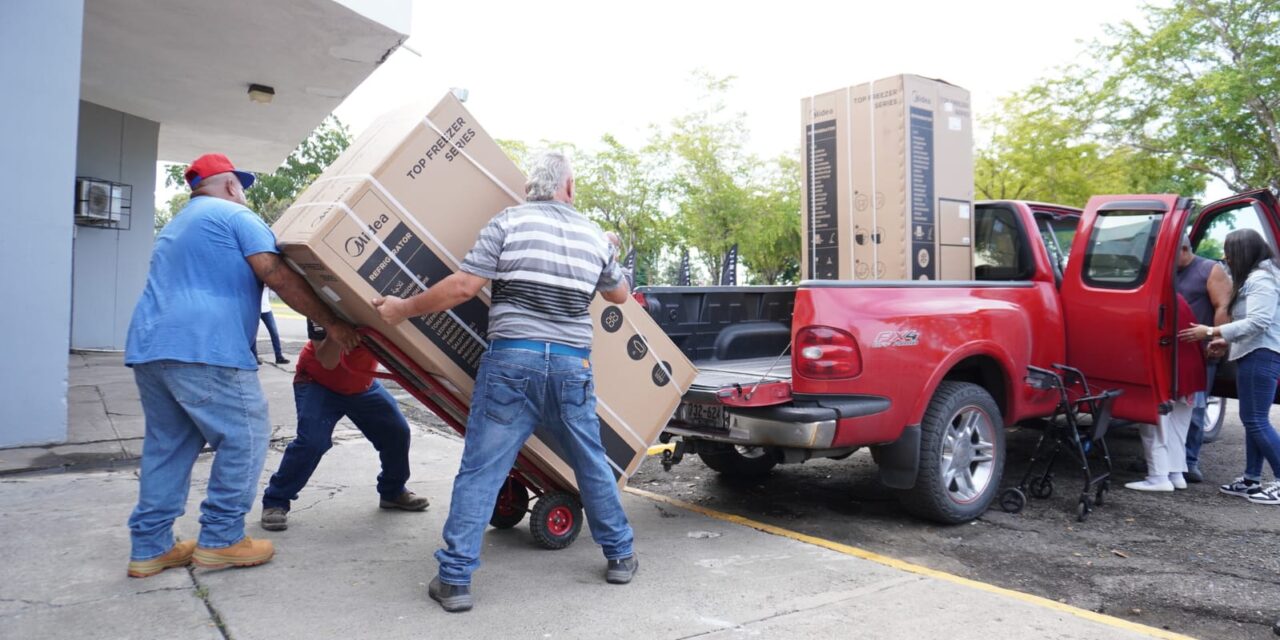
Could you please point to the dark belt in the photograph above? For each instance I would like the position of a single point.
(550, 348)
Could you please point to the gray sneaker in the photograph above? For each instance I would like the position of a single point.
(622, 570)
(275, 519)
(453, 598)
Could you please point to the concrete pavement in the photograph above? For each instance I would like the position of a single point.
(348, 569)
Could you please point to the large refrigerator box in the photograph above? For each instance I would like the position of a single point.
(888, 182)
(398, 211)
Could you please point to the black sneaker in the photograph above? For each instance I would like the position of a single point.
(453, 598)
(1193, 475)
(275, 519)
(622, 570)
(1241, 487)
(1266, 494)
(282, 360)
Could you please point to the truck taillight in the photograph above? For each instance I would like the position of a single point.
(826, 353)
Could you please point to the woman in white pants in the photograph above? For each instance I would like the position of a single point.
(1164, 444)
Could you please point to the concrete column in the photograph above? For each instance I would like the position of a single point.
(40, 46)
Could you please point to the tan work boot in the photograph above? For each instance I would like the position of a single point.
(246, 553)
(178, 556)
(408, 501)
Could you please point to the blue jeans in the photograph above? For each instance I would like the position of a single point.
(269, 319)
(1256, 375)
(1195, 432)
(374, 412)
(185, 406)
(516, 390)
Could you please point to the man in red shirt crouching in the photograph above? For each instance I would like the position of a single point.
(329, 385)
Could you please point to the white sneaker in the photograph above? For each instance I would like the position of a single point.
(1268, 494)
(1159, 483)
(1177, 480)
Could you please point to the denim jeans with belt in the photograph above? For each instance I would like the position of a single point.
(185, 406)
(517, 390)
(374, 412)
(1256, 375)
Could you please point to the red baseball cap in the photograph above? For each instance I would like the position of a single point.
(211, 164)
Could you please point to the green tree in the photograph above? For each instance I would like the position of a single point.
(1041, 147)
(1197, 82)
(618, 188)
(170, 209)
(769, 241)
(273, 193)
(709, 173)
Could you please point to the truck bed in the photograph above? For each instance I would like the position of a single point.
(718, 374)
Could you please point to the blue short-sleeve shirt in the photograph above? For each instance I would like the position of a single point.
(202, 299)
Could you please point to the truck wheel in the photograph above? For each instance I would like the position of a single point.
(737, 461)
(1215, 413)
(961, 455)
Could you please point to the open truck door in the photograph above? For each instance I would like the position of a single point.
(1257, 210)
(1119, 301)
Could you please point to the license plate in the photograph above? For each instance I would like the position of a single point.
(710, 416)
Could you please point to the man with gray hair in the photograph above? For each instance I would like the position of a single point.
(546, 262)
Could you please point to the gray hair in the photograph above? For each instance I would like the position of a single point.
(548, 172)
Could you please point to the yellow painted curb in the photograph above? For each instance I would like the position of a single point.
(902, 565)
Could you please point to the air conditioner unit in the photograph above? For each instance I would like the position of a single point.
(93, 200)
(101, 201)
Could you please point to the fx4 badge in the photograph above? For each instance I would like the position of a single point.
(908, 338)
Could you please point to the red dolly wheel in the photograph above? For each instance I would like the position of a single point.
(512, 504)
(556, 520)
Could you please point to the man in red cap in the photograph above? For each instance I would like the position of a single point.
(189, 347)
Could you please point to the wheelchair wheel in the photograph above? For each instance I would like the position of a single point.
(1012, 500)
(1082, 510)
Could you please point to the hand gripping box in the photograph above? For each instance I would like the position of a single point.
(398, 211)
(888, 176)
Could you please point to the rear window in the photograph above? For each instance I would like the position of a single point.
(1119, 253)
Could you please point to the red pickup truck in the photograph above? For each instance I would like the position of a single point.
(928, 374)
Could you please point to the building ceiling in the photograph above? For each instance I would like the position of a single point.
(188, 64)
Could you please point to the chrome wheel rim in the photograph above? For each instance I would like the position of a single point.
(968, 455)
(1213, 412)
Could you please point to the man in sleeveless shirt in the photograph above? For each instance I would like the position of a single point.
(546, 262)
(1207, 289)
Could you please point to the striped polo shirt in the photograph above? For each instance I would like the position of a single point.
(546, 262)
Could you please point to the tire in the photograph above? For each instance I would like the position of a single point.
(1215, 414)
(961, 455)
(737, 461)
(512, 504)
(555, 520)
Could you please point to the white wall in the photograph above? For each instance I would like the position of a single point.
(110, 265)
(40, 76)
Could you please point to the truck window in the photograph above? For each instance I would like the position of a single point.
(1246, 216)
(1057, 234)
(999, 248)
(1119, 253)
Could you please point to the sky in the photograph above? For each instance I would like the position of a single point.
(572, 71)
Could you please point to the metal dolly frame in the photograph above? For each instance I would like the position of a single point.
(555, 519)
(1062, 431)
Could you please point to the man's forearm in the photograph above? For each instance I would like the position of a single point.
(447, 294)
(298, 294)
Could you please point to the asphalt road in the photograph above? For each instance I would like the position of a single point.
(1196, 562)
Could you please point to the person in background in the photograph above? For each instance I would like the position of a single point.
(269, 319)
(1162, 444)
(546, 262)
(188, 345)
(328, 386)
(1253, 340)
(1207, 289)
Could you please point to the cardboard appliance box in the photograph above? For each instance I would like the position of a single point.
(398, 211)
(888, 182)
